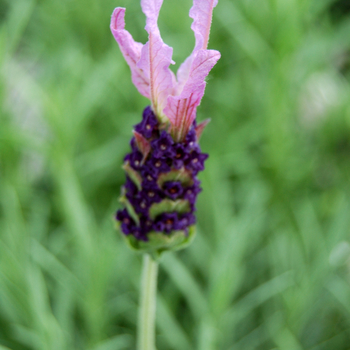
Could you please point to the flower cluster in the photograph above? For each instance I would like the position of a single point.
(164, 177)
(161, 170)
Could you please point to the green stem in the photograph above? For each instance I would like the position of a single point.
(148, 295)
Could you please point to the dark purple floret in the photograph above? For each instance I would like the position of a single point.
(140, 203)
(145, 225)
(135, 159)
(167, 222)
(158, 226)
(158, 165)
(140, 235)
(152, 194)
(186, 220)
(180, 155)
(148, 125)
(195, 162)
(173, 189)
(191, 141)
(148, 179)
(191, 136)
(130, 187)
(191, 192)
(162, 147)
(128, 225)
(145, 190)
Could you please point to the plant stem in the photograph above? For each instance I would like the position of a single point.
(147, 314)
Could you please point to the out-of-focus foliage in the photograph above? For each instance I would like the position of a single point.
(269, 268)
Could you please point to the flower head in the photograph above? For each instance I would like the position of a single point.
(174, 98)
(161, 186)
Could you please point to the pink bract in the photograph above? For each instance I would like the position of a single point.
(174, 99)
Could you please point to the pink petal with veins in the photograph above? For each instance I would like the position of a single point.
(201, 12)
(202, 64)
(172, 100)
(151, 9)
(131, 51)
(181, 110)
(156, 58)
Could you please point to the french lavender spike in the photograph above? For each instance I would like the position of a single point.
(161, 187)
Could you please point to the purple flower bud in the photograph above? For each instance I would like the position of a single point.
(146, 225)
(173, 189)
(140, 203)
(162, 147)
(130, 187)
(158, 165)
(161, 195)
(186, 220)
(135, 159)
(195, 162)
(140, 235)
(128, 225)
(152, 194)
(149, 124)
(167, 222)
(180, 155)
(191, 141)
(191, 192)
(148, 178)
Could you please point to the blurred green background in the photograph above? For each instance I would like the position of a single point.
(269, 268)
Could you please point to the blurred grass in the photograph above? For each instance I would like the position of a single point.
(269, 268)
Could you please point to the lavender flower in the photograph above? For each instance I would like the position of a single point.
(162, 186)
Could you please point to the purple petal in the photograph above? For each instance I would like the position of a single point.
(131, 51)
